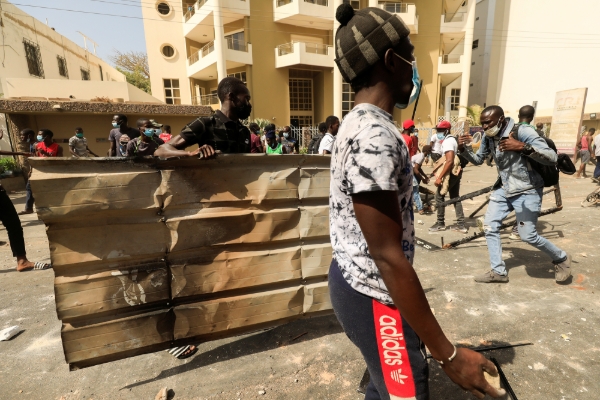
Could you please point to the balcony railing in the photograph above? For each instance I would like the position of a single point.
(451, 58)
(206, 100)
(396, 7)
(191, 10)
(457, 17)
(236, 44)
(203, 52)
(313, 48)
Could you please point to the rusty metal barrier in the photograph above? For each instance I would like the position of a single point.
(153, 254)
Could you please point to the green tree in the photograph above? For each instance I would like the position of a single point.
(134, 65)
(473, 114)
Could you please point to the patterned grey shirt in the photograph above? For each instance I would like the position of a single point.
(369, 155)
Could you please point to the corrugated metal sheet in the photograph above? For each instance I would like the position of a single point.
(152, 254)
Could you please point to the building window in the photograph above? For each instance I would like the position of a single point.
(34, 58)
(168, 51)
(163, 8)
(300, 94)
(62, 66)
(303, 120)
(347, 99)
(454, 99)
(354, 3)
(236, 41)
(85, 74)
(475, 44)
(240, 75)
(101, 73)
(172, 93)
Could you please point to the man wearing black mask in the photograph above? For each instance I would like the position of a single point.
(223, 131)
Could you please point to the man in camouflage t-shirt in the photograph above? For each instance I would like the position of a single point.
(374, 290)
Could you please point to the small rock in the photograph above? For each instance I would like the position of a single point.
(161, 395)
(420, 222)
(552, 330)
(565, 337)
(530, 367)
(295, 380)
(456, 260)
(583, 319)
(583, 255)
(20, 391)
(262, 392)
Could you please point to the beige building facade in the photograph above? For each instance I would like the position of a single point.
(283, 50)
(39, 63)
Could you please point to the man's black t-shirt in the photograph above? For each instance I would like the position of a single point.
(219, 132)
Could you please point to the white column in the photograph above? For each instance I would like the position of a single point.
(337, 76)
(373, 3)
(220, 44)
(466, 61)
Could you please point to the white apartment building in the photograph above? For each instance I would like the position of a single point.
(526, 51)
(283, 50)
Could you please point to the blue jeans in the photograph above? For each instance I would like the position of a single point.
(597, 170)
(527, 206)
(29, 197)
(416, 194)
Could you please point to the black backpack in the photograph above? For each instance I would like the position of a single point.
(549, 173)
(313, 145)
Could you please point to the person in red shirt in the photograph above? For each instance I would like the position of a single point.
(165, 136)
(412, 142)
(46, 146)
(255, 142)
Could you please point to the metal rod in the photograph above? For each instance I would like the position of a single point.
(503, 379)
(485, 203)
(467, 196)
(417, 102)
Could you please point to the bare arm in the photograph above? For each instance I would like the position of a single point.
(176, 148)
(112, 151)
(72, 151)
(91, 152)
(419, 172)
(378, 215)
(59, 152)
(446, 168)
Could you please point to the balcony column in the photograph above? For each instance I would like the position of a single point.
(373, 3)
(220, 45)
(466, 62)
(337, 76)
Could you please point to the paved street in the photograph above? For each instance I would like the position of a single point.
(313, 359)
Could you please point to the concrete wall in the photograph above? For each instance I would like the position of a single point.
(79, 90)
(17, 25)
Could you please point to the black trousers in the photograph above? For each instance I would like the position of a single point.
(12, 223)
(394, 354)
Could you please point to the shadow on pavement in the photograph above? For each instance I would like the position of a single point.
(256, 343)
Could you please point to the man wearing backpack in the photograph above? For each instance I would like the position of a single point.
(518, 153)
(313, 145)
(333, 124)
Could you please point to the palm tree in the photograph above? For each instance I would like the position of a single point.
(473, 114)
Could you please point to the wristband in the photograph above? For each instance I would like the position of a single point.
(450, 358)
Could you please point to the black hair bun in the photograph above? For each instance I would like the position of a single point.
(344, 13)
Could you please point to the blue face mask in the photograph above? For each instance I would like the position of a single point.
(79, 135)
(416, 80)
(441, 135)
(40, 138)
(115, 125)
(149, 132)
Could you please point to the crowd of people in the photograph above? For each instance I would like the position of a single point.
(376, 171)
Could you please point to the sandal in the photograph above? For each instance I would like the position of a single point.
(38, 265)
(25, 212)
(183, 352)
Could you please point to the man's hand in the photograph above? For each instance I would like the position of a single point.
(511, 144)
(466, 370)
(464, 139)
(438, 181)
(203, 152)
(425, 179)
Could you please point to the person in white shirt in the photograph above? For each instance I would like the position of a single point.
(449, 149)
(418, 176)
(333, 125)
(436, 147)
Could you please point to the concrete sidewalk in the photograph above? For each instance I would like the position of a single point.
(313, 359)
